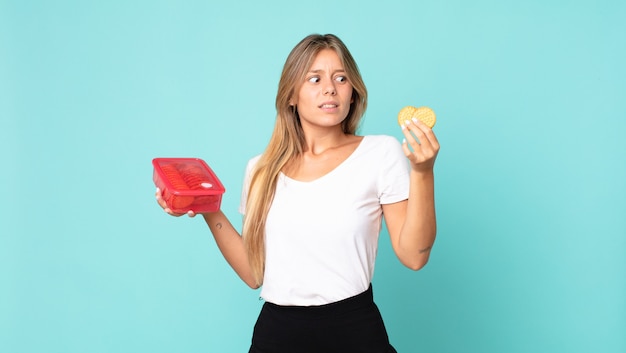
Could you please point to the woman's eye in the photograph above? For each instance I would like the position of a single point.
(314, 79)
(341, 79)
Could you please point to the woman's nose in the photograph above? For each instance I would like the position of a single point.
(330, 89)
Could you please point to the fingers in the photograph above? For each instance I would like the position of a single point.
(425, 135)
(167, 210)
(159, 198)
(420, 144)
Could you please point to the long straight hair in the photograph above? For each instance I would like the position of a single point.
(287, 141)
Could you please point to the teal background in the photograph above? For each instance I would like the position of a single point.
(531, 196)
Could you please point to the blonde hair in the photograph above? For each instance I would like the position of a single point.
(287, 141)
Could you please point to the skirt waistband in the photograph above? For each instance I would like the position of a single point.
(345, 305)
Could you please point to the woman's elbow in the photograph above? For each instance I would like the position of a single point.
(250, 281)
(417, 263)
(252, 284)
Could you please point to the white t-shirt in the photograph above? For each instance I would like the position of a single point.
(321, 236)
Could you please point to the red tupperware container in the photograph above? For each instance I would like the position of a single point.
(187, 184)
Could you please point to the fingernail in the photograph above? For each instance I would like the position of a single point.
(403, 141)
(414, 120)
(407, 122)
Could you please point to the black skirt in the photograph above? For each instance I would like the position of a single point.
(352, 325)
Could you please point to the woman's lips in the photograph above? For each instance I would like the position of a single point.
(329, 105)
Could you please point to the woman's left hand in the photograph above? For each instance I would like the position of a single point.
(423, 146)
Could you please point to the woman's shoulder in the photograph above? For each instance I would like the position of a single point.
(254, 159)
(252, 163)
(385, 147)
(381, 140)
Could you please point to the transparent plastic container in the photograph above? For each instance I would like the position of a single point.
(188, 184)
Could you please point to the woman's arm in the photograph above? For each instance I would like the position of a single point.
(412, 223)
(227, 238)
(231, 245)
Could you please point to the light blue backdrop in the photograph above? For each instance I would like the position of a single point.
(531, 197)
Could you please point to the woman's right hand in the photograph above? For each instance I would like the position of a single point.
(167, 210)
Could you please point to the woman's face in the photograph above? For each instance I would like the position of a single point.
(325, 96)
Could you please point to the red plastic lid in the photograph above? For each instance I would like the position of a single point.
(186, 177)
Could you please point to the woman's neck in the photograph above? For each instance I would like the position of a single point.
(318, 141)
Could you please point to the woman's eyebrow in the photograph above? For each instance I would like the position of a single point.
(317, 71)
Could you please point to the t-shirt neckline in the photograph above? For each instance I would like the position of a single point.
(333, 171)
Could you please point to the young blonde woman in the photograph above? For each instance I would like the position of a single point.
(313, 205)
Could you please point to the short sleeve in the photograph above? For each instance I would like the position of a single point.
(393, 178)
(246, 183)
